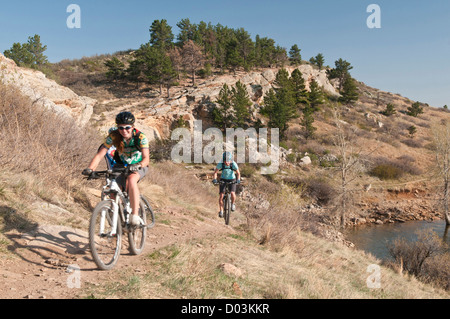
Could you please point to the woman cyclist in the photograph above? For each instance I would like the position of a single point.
(132, 150)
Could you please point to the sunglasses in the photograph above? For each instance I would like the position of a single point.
(121, 128)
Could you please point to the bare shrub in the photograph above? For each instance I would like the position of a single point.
(35, 139)
(384, 168)
(413, 254)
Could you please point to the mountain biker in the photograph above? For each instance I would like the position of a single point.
(230, 172)
(136, 157)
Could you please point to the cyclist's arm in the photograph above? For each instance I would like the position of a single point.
(238, 174)
(145, 157)
(215, 173)
(98, 157)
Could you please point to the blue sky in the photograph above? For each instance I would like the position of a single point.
(409, 54)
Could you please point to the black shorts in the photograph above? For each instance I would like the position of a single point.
(122, 181)
(222, 186)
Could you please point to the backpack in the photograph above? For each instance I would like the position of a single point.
(231, 167)
(112, 157)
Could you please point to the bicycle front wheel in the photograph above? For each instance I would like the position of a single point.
(227, 209)
(104, 241)
(138, 234)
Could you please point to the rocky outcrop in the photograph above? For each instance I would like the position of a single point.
(46, 92)
(159, 114)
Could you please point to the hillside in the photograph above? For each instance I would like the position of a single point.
(190, 252)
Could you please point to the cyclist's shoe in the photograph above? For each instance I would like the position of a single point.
(233, 207)
(87, 172)
(221, 214)
(134, 220)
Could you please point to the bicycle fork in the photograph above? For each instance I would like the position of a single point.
(113, 222)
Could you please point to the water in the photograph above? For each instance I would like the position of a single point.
(375, 238)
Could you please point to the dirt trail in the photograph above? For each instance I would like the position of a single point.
(55, 262)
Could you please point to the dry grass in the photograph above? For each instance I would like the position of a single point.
(180, 185)
(36, 140)
(323, 271)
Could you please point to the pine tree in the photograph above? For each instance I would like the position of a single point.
(390, 110)
(294, 55)
(280, 103)
(223, 115)
(30, 54)
(155, 65)
(115, 69)
(318, 60)
(307, 121)
(349, 93)
(241, 103)
(340, 72)
(415, 109)
(161, 35)
(187, 31)
(315, 96)
(299, 87)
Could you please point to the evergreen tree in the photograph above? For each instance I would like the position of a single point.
(233, 58)
(35, 47)
(241, 103)
(340, 72)
(315, 96)
(294, 55)
(161, 35)
(223, 115)
(19, 54)
(30, 54)
(115, 69)
(318, 60)
(280, 103)
(390, 110)
(307, 121)
(412, 130)
(415, 109)
(187, 31)
(299, 87)
(349, 93)
(155, 65)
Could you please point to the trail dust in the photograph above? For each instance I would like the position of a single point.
(54, 261)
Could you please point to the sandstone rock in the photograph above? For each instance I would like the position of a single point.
(46, 92)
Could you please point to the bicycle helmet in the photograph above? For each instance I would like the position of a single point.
(125, 118)
(227, 157)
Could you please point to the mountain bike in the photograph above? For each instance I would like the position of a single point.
(110, 219)
(227, 200)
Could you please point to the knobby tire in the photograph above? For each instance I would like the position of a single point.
(105, 249)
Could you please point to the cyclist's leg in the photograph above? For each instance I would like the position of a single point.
(233, 197)
(233, 193)
(133, 188)
(221, 202)
(133, 192)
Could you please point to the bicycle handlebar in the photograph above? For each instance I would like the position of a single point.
(115, 172)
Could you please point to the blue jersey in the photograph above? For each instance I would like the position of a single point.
(227, 171)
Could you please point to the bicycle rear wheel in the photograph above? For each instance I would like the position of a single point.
(227, 209)
(138, 234)
(105, 243)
